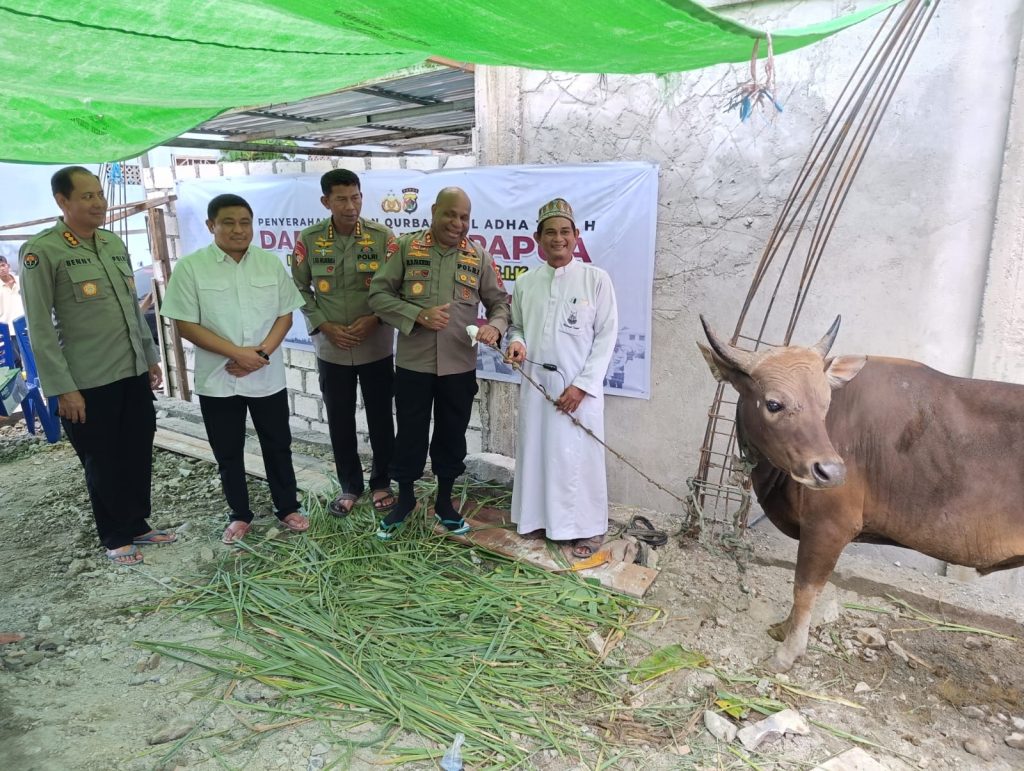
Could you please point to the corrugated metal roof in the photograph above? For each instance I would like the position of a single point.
(431, 109)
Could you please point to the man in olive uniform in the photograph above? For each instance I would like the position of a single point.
(430, 290)
(99, 359)
(332, 266)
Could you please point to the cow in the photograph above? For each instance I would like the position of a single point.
(875, 450)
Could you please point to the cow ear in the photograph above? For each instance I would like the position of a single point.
(720, 368)
(842, 369)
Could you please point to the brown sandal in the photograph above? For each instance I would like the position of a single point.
(337, 507)
(587, 547)
(235, 532)
(379, 504)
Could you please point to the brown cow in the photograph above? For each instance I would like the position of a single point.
(904, 455)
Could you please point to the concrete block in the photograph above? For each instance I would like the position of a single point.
(318, 426)
(491, 468)
(163, 177)
(186, 172)
(209, 170)
(423, 162)
(259, 168)
(460, 162)
(298, 424)
(234, 169)
(352, 164)
(385, 162)
(303, 359)
(288, 167)
(293, 379)
(147, 179)
(307, 407)
(319, 167)
(313, 384)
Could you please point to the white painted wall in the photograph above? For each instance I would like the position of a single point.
(908, 262)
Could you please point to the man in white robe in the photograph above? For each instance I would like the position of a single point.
(563, 314)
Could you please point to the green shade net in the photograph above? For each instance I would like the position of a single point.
(104, 81)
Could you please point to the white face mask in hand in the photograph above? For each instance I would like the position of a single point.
(472, 330)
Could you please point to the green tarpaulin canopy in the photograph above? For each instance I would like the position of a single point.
(95, 82)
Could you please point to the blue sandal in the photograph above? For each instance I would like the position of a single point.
(385, 531)
(453, 526)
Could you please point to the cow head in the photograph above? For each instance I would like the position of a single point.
(784, 398)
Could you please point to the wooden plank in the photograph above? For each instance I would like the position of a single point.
(162, 261)
(490, 532)
(310, 474)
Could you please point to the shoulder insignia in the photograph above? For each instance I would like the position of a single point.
(391, 248)
(70, 238)
(31, 261)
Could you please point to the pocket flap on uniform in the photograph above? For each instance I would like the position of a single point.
(89, 271)
(466, 278)
(368, 265)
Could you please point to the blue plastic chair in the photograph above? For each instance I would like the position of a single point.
(34, 405)
(7, 350)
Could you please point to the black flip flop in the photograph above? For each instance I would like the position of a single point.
(641, 528)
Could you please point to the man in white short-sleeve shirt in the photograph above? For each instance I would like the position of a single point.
(234, 302)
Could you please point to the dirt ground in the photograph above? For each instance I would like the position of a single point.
(77, 693)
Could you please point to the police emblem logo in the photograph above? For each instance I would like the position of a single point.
(330, 268)
(367, 280)
(417, 288)
(323, 285)
(299, 254)
(374, 265)
(463, 277)
(466, 294)
(89, 289)
(362, 266)
(391, 204)
(31, 261)
(70, 238)
(409, 199)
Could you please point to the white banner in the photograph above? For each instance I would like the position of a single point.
(615, 206)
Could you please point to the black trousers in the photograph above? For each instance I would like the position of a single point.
(115, 445)
(451, 397)
(338, 386)
(224, 417)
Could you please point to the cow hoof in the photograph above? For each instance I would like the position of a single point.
(778, 631)
(779, 664)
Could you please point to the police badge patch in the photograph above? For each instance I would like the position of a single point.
(31, 261)
(299, 254)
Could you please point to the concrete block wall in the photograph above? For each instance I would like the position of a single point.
(304, 398)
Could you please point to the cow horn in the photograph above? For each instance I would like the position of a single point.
(823, 346)
(735, 357)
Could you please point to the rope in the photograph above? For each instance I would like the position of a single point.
(551, 400)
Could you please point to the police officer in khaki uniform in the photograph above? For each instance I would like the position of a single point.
(99, 359)
(332, 266)
(430, 290)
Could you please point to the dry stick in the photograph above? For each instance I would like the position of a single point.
(575, 420)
